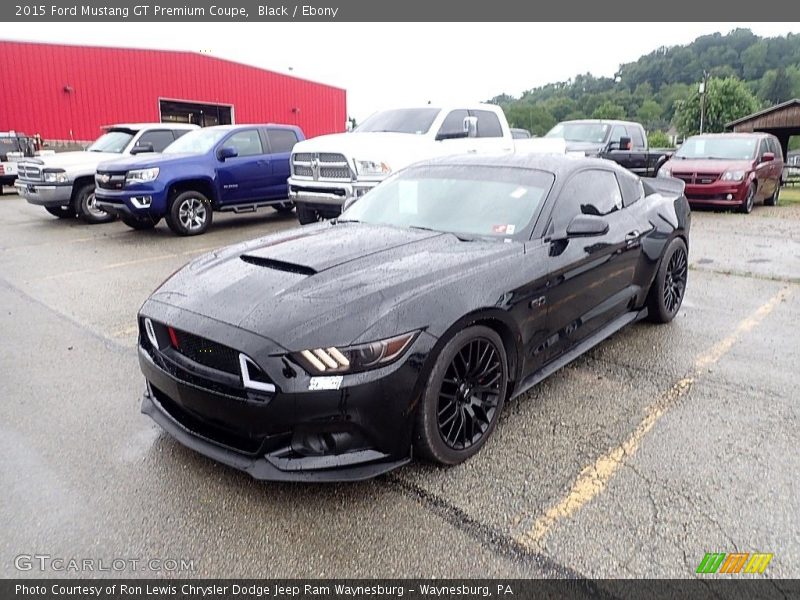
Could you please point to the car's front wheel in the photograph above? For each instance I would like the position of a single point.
(190, 213)
(747, 204)
(139, 224)
(62, 212)
(306, 215)
(666, 294)
(463, 397)
(86, 208)
(773, 200)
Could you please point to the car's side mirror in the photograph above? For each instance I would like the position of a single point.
(767, 157)
(587, 226)
(227, 152)
(142, 148)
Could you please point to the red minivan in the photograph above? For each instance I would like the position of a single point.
(728, 169)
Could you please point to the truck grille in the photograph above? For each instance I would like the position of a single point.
(320, 166)
(110, 181)
(697, 178)
(29, 172)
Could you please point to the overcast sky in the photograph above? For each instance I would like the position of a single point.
(394, 64)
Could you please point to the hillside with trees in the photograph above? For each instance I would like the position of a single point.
(660, 89)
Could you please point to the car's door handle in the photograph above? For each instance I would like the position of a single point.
(632, 235)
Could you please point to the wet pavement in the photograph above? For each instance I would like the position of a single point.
(661, 444)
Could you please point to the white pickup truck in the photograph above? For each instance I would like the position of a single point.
(329, 170)
(63, 183)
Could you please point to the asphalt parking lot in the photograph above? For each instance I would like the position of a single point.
(662, 444)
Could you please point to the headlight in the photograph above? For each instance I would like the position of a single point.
(371, 167)
(355, 358)
(733, 176)
(55, 176)
(664, 172)
(141, 175)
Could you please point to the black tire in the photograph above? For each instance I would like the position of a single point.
(139, 224)
(306, 215)
(775, 198)
(83, 205)
(747, 204)
(62, 212)
(669, 286)
(284, 208)
(453, 420)
(190, 213)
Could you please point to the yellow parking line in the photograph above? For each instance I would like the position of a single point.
(595, 478)
(126, 263)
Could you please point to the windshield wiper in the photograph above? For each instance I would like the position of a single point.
(461, 237)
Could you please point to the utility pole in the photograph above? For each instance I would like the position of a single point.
(703, 92)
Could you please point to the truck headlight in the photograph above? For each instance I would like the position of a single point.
(372, 167)
(141, 175)
(55, 176)
(735, 175)
(355, 358)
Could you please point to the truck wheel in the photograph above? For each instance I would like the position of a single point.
(84, 205)
(190, 213)
(284, 208)
(62, 212)
(306, 215)
(139, 224)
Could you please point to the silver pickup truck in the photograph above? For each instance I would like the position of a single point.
(63, 183)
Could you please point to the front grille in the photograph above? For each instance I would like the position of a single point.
(697, 178)
(320, 166)
(110, 181)
(29, 172)
(207, 353)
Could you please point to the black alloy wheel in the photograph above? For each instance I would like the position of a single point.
(669, 287)
(464, 396)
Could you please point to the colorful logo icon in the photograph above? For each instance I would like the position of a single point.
(740, 562)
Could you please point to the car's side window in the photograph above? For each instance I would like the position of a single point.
(776, 148)
(592, 192)
(454, 122)
(179, 132)
(281, 140)
(158, 138)
(631, 187)
(637, 137)
(763, 149)
(246, 143)
(619, 131)
(488, 124)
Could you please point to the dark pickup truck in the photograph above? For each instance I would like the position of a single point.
(624, 142)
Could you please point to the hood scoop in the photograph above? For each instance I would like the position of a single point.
(278, 265)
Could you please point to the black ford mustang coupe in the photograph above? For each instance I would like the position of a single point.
(337, 350)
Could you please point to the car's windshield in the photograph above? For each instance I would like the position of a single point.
(114, 140)
(580, 132)
(9, 144)
(405, 120)
(470, 200)
(722, 147)
(198, 141)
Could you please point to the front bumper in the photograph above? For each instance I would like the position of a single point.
(131, 201)
(327, 196)
(719, 193)
(44, 194)
(361, 430)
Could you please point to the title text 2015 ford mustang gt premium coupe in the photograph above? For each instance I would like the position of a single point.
(337, 350)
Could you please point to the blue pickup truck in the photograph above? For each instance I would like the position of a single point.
(237, 168)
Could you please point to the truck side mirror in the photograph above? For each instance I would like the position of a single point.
(625, 143)
(227, 152)
(142, 148)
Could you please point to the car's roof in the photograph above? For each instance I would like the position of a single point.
(557, 164)
(139, 126)
(605, 121)
(742, 134)
(246, 125)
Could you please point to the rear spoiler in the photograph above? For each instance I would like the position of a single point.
(667, 186)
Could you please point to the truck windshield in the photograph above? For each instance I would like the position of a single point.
(724, 148)
(475, 201)
(580, 132)
(198, 141)
(114, 140)
(406, 120)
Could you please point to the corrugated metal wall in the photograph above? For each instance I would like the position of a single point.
(113, 85)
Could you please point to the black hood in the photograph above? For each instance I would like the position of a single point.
(325, 284)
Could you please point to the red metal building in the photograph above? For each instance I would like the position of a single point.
(66, 93)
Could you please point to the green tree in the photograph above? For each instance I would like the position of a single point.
(658, 139)
(726, 99)
(608, 110)
(776, 86)
(649, 113)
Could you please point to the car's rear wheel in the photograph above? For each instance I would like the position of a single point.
(306, 215)
(190, 213)
(666, 294)
(747, 204)
(139, 224)
(773, 200)
(62, 212)
(85, 206)
(463, 397)
(284, 207)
